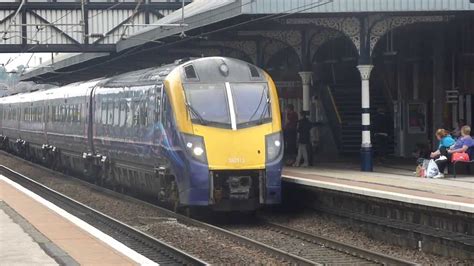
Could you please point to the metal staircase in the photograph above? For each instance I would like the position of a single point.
(347, 101)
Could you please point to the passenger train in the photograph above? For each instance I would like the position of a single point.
(199, 132)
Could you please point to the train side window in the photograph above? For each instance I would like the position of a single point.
(66, 114)
(62, 112)
(136, 113)
(123, 114)
(110, 113)
(72, 113)
(144, 113)
(103, 111)
(79, 113)
(55, 113)
(116, 114)
(75, 110)
(129, 117)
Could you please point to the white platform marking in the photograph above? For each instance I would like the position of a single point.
(438, 203)
(126, 251)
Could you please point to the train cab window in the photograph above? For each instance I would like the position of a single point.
(197, 97)
(190, 72)
(254, 72)
(251, 101)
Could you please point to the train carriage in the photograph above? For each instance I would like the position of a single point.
(202, 132)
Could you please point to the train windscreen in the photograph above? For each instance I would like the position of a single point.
(208, 103)
(252, 103)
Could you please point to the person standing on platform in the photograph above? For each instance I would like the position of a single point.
(304, 140)
(382, 123)
(291, 130)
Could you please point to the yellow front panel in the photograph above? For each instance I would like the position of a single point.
(226, 149)
(239, 149)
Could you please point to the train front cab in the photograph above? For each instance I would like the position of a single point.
(229, 121)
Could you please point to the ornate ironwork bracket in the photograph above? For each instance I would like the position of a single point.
(349, 26)
(379, 27)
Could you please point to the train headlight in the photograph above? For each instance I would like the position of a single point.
(195, 147)
(273, 146)
(198, 151)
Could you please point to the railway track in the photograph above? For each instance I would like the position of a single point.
(68, 204)
(317, 250)
(144, 244)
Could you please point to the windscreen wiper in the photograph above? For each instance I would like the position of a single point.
(196, 114)
(262, 117)
(258, 106)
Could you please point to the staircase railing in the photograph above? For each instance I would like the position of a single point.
(333, 115)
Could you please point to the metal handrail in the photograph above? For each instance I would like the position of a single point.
(334, 105)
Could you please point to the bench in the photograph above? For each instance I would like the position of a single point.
(470, 152)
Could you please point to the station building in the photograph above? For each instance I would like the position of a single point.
(341, 60)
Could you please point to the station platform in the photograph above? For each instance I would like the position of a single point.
(395, 183)
(33, 231)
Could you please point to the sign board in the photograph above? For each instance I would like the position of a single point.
(416, 118)
(452, 96)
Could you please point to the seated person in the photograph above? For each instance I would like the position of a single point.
(440, 155)
(457, 131)
(462, 145)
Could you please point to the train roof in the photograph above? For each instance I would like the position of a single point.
(71, 90)
(147, 76)
(143, 77)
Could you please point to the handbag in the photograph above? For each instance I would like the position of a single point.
(460, 157)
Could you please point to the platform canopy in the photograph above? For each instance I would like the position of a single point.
(205, 12)
(240, 24)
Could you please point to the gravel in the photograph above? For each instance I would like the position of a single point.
(341, 230)
(206, 245)
(294, 245)
(212, 247)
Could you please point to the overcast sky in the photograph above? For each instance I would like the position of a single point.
(22, 59)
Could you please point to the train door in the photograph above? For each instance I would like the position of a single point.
(157, 105)
(89, 114)
(1, 119)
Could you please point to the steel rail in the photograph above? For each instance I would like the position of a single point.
(142, 243)
(337, 245)
(268, 249)
(277, 253)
